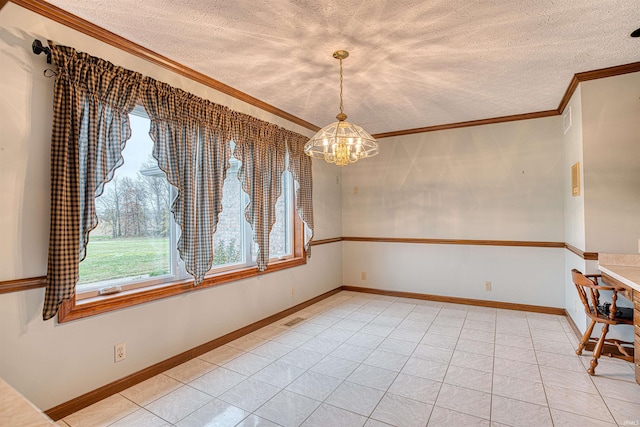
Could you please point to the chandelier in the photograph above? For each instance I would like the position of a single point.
(341, 142)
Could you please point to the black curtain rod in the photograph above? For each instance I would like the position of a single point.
(38, 48)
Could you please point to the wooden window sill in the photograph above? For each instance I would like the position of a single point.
(77, 309)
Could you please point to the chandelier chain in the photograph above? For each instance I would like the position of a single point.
(341, 107)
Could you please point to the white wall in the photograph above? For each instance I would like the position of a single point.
(499, 182)
(611, 133)
(611, 137)
(604, 218)
(51, 363)
(496, 182)
(327, 200)
(574, 232)
(572, 302)
(518, 275)
(574, 226)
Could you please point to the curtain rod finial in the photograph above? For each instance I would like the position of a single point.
(38, 48)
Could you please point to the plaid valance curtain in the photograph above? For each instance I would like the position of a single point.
(92, 100)
(300, 167)
(190, 144)
(191, 137)
(263, 155)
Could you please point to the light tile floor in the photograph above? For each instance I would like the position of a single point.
(368, 360)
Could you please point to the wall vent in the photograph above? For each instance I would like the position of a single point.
(294, 321)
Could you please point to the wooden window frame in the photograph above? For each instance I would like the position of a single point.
(74, 308)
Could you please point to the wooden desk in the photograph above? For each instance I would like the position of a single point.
(627, 277)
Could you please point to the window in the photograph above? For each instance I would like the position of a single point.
(132, 242)
(232, 240)
(134, 245)
(84, 151)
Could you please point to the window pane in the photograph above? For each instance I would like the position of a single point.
(281, 236)
(281, 233)
(229, 236)
(132, 240)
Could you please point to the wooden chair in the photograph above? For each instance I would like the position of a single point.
(608, 314)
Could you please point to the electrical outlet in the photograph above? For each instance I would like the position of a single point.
(293, 292)
(355, 191)
(487, 286)
(577, 306)
(119, 352)
(363, 275)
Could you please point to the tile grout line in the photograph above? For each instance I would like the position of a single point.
(341, 381)
(493, 370)
(309, 369)
(447, 370)
(445, 373)
(384, 392)
(368, 417)
(544, 388)
(398, 372)
(404, 364)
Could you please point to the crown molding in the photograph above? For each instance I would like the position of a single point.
(75, 22)
(573, 85)
(594, 75)
(512, 118)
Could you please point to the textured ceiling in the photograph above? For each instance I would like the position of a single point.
(412, 63)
